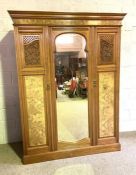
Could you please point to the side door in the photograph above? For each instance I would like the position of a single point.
(107, 78)
(32, 76)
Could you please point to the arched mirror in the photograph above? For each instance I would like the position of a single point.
(71, 76)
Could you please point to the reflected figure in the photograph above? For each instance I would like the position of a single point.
(71, 75)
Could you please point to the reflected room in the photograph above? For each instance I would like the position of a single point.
(71, 78)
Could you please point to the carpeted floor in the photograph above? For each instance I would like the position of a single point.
(116, 163)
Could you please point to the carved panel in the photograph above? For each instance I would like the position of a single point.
(31, 50)
(106, 49)
(106, 104)
(35, 110)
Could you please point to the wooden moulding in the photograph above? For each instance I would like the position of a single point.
(65, 18)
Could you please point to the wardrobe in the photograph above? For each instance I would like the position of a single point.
(68, 75)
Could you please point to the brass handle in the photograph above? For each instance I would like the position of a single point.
(48, 86)
(94, 83)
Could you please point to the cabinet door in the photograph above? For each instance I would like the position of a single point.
(32, 71)
(71, 77)
(107, 78)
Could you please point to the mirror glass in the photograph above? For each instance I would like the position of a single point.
(71, 78)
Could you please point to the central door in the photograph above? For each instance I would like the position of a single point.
(72, 74)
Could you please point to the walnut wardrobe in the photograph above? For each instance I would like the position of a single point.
(68, 73)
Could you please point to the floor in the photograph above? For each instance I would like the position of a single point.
(116, 163)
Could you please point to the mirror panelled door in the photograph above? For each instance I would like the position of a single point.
(72, 75)
(68, 72)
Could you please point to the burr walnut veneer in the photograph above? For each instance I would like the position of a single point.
(35, 34)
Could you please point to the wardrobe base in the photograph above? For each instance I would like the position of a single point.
(28, 159)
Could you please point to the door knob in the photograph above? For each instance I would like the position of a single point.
(94, 83)
(48, 86)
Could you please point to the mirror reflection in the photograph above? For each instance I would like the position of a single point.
(71, 76)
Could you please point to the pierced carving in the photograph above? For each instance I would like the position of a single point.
(35, 110)
(106, 104)
(31, 50)
(106, 49)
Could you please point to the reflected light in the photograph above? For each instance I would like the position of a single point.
(76, 169)
(82, 54)
(64, 39)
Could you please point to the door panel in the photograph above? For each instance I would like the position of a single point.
(72, 67)
(35, 102)
(106, 48)
(32, 45)
(31, 50)
(33, 91)
(106, 57)
(106, 104)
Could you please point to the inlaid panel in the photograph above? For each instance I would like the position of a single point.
(106, 49)
(31, 50)
(106, 104)
(35, 110)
